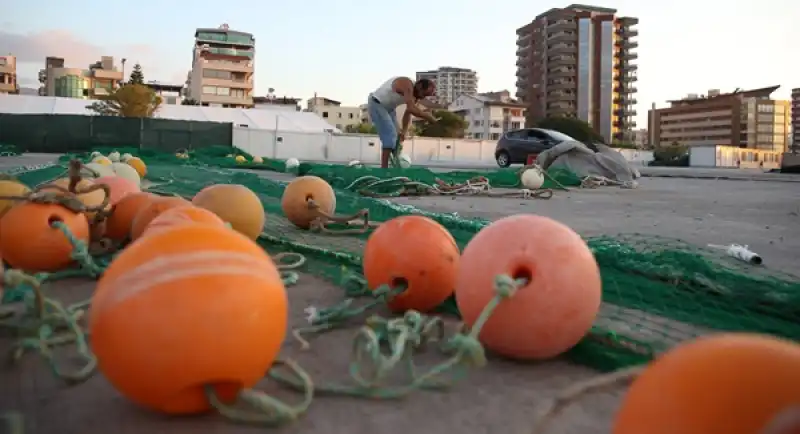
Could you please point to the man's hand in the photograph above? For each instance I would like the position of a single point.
(430, 117)
(402, 136)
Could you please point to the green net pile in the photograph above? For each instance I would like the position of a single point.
(657, 292)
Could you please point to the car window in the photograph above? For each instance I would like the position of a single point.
(561, 137)
(519, 134)
(536, 135)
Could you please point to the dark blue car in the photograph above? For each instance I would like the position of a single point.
(515, 146)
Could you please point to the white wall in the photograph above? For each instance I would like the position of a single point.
(342, 148)
(703, 156)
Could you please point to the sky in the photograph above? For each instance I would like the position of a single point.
(345, 49)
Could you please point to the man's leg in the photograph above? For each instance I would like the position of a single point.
(387, 132)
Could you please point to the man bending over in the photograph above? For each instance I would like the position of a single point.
(382, 105)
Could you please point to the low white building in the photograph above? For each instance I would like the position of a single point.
(489, 115)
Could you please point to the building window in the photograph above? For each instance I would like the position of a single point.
(495, 136)
(210, 90)
(238, 93)
(214, 73)
(339, 126)
(223, 91)
(71, 86)
(340, 115)
(515, 125)
(324, 114)
(351, 116)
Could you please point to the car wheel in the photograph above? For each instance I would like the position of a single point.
(503, 159)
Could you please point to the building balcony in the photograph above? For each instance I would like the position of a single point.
(627, 56)
(522, 72)
(8, 88)
(625, 99)
(628, 78)
(563, 72)
(524, 40)
(561, 37)
(557, 25)
(523, 51)
(563, 49)
(226, 65)
(625, 89)
(8, 69)
(105, 74)
(560, 96)
(627, 32)
(629, 44)
(235, 84)
(229, 100)
(562, 61)
(563, 85)
(625, 111)
(628, 21)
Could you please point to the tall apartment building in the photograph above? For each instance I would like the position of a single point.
(745, 119)
(451, 83)
(222, 68)
(99, 79)
(8, 74)
(796, 119)
(579, 61)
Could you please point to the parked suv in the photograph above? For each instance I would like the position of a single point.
(515, 146)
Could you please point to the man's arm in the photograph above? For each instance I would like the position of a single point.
(405, 87)
(406, 121)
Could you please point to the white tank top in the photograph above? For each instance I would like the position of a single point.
(387, 96)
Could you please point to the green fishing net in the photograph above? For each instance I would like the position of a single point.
(656, 291)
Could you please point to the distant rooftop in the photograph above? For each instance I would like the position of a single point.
(699, 99)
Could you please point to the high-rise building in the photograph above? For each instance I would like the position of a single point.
(796, 119)
(742, 118)
(579, 61)
(222, 68)
(98, 80)
(8, 74)
(451, 83)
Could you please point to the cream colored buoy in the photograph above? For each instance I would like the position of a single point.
(532, 178)
(114, 157)
(258, 160)
(125, 171)
(125, 157)
(405, 161)
(292, 163)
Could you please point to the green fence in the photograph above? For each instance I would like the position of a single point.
(75, 133)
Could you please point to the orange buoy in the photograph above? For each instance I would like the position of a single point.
(120, 222)
(119, 186)
(195, 305)
(554, 310)
(725, 383)
(30, 243)
(297, 194)
(137, 165)
(91, 199)
(152, 210)
(11, 188)
(415, 252)
(183, 215)
(235, 204)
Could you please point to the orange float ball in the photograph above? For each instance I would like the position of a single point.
(152, 210)
(726, 383)
(235, 204)
(137, 165)
(548, 315)
(120, 222)
(190, 306)
(417, 252)
(181, 216)
(30, 243)
(294, 201)
(120, 187)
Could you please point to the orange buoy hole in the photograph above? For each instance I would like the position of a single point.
(559, 300)
(235, 204)
(296, 197)
(119, 223)
(726, 383)
(417, 254)
(31, 243)
(209, 273)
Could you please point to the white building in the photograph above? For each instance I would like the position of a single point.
(222, 68)
(451, 83)
(489, 115)
(334, 112)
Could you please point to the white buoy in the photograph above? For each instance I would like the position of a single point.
(258, 160)
(354, 163)
(96, 154)
(125, 157)
(405, 161)
(532, 178)
(114, 157)
(292, 163)
(125, 171)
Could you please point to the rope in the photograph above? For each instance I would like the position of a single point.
(479, 186)
(594, 181)
(370, 368)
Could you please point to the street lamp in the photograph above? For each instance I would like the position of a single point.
(123, 69)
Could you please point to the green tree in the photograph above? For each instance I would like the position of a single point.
(190, 101)
(573, 127)
(448, 124)
(130, 101)
(137, 77)
(362, 128)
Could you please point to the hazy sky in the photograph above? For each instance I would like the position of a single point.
(344, 49)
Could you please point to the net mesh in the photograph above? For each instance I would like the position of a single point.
(656, 291)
